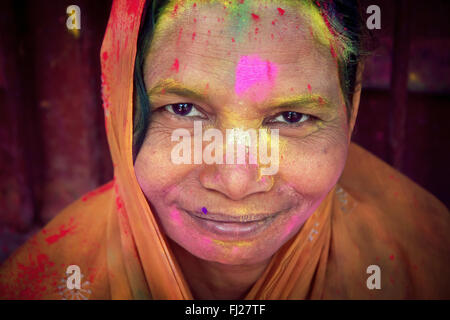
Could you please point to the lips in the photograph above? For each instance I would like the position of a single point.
(220, 217)
(231, 227)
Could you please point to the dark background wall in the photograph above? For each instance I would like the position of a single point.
(53, 146)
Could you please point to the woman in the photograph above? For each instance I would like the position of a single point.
(184, 219)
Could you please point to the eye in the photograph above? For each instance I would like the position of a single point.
(292, 117)
(184, 110)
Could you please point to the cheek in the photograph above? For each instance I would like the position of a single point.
(154, 168)
(312, 170)
(293, 224)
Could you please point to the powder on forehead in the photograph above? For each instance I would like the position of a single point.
(239, 14)
(254, 73)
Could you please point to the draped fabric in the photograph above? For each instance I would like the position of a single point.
(373, 216)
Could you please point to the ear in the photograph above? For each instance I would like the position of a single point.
(356, 98)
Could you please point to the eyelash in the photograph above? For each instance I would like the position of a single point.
(303, 117)
(169, 106)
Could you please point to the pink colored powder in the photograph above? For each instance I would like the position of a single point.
(99, 190)
(255, 77)
(133, 7)
(333, 52)
(175, 9)
(179, 36)
(175, 215)
(63, 231)
(176, 65)
(205, 242)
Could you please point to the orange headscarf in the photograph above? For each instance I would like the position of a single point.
(373, 216)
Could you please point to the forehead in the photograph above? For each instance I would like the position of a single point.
(208, 41)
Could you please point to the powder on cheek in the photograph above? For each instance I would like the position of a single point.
(255, 77)
(293, 223)
(205, 242)
(175, 216)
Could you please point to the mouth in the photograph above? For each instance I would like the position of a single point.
(231, 227)
(220, 217)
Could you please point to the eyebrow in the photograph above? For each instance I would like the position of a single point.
(174, 87)
(304, 101)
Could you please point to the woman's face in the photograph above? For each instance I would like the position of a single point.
(253, 67)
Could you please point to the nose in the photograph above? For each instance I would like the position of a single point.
(235, 181)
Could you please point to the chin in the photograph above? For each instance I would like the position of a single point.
(230, 252)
